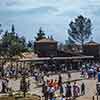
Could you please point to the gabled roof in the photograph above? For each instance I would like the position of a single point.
(46, 41)
(29, 55)
(92, 43)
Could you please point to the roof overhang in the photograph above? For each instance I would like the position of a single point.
(57, 58)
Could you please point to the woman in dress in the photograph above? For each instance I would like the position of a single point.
(68, 91)
(61, 90)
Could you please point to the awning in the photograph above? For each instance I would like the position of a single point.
(56, 58)
(75, 57)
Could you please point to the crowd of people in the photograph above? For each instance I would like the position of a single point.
(4, 85)
(50, 87)
(56, 88)
(89, 70)
(13, 70)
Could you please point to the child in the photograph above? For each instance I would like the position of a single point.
(63, 97)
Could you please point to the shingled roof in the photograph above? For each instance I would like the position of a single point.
(46, 41)
(92, 43)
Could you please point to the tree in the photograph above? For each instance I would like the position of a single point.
(1, 30)
(13, 28)
(23, 44)
(30, 46)
(12, 45)
(71, 42)
(80, 30)
(61, 46)
(40, 35)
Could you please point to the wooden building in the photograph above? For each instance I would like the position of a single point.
(46, 47)
(92, 49)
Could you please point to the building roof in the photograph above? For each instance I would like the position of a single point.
(29, 55)
(46, 41)
(92, 43)
(57, 58)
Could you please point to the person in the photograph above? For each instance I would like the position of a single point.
(51, 91)
(44, 91)
(63, 97)
(50, 83)
(0, 85)
(28, 84)
(55, 85)
(69, 75)
(3, 87)
(68, 91)
(44, 88)
(82, 89)
(94, 73)
(6, 84)
(75, 90)
(61, 90)
(60, 80)
(99, 76)
(53, 98)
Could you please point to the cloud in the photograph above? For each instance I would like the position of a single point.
(8, 2)
(53, 15)
(40, 11)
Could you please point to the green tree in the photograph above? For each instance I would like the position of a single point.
(12, 44)
(23, 44)
(30, 46)
(80, 30)
(1, 30)
(13, 28)
(71, 42)
(40, 35)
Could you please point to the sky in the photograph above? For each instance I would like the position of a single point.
(53, 16)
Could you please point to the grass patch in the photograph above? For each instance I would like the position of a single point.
(7, 98)
(33, 97)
